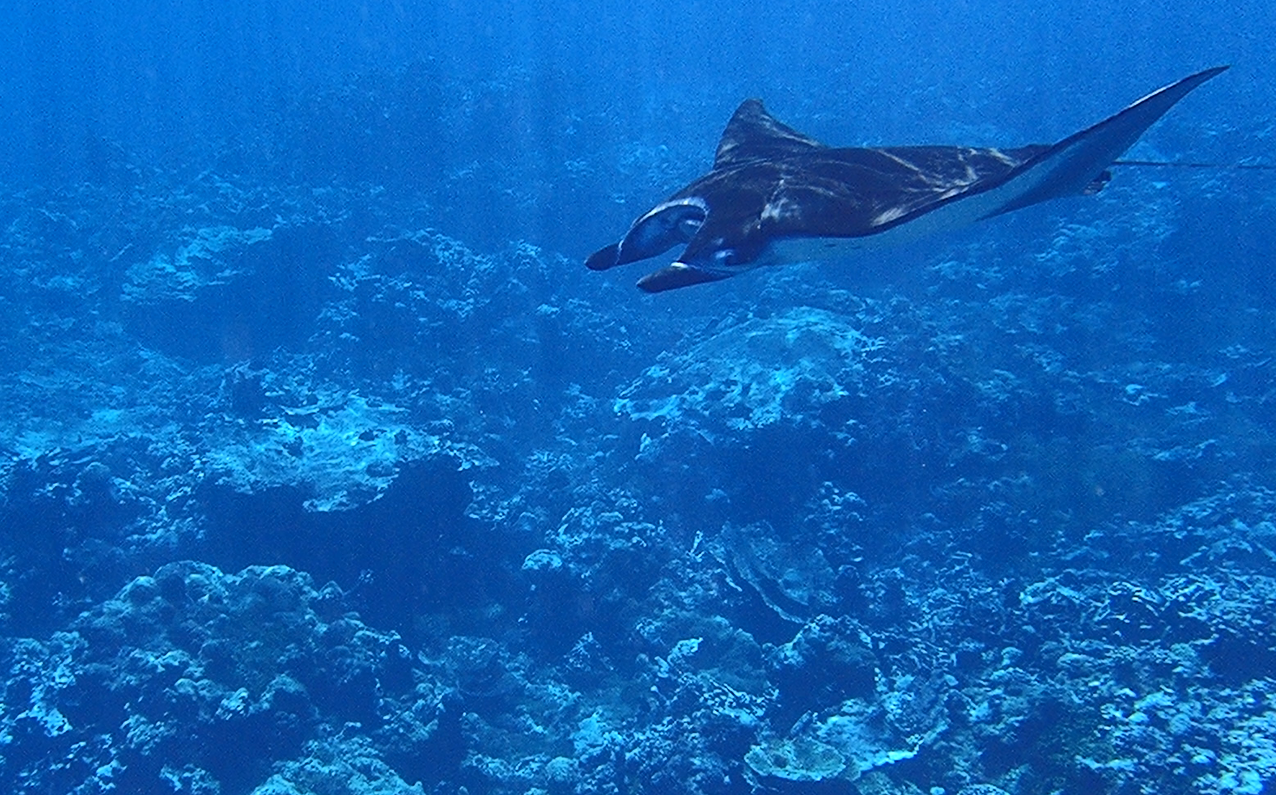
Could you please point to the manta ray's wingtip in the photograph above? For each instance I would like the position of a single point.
(1206, 74)
(1200, 77)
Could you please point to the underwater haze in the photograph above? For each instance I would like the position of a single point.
(326, 465)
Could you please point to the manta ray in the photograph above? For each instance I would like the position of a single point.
(776, 196)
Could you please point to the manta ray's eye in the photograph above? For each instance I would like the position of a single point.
(724, 257)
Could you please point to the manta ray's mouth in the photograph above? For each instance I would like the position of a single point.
(678, 274)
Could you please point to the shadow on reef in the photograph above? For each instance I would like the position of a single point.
(229, 294)
(66, 528)
(411, 552)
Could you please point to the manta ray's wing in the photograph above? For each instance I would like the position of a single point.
(754, 135)
(878, 190)
(770, 209)
(1074, 164)
(766, 192)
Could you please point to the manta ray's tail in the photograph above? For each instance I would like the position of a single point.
(1182, 164)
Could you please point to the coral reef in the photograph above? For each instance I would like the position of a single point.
(301, 498)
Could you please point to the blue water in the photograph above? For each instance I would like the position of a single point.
(327, 467)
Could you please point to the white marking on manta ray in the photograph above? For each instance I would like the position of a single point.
(779, 209)
(938, 180)
(906, 164)
(881, 219)
(1003, 157)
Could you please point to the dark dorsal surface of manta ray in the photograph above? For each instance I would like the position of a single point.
(776, 196)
